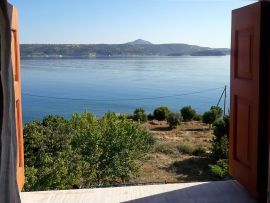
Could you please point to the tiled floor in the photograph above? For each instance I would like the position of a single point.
(222, 191)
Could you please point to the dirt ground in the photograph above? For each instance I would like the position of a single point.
(174, 157)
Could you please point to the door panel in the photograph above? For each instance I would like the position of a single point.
(245, 78)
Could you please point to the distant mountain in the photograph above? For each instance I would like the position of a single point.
(139, 42)
(138, 48)
(209, 53)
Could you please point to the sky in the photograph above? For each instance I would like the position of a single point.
(196, 22)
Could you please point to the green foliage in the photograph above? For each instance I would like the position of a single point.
(218, 111)
(220, 148)
(220, 169)
(174, 119)
(51, 162)
(125, 116)
(161, 113)
(82, 151)
(188, 113)
(185, 149)
(191, 150)
(150, 117)
(220, 143)
(211, 116)
(197, 117)
(166, 149)
(139, 115)
(111, 146)
(221, 128)
(199, 151)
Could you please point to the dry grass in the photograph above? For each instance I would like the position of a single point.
(172, 159)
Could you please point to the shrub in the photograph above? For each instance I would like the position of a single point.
(197, 117)
(220, 142)
(221, 128)
(166, 149)
(161, 113)
(188, 113)
(211, 116)
(139, 115)
(185, 149)
(125, 116)
(218, 111)
(199, 151)
(220, 169)
(83, 151)
(50, 160)
(114, 145)
(220, 148)
(150, 117)
(174, 119)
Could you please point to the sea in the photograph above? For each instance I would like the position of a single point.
(64, 86)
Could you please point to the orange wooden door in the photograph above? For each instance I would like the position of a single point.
(15, 55)
(245, 96)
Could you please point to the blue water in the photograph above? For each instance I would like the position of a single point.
(112, 84)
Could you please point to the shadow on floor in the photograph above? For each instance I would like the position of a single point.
(213, 192)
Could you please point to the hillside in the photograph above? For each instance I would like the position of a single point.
(136, 48)
(139, 41)
(173, 159)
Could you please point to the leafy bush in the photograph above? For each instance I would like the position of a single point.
(211, 116)
(82, 151)
(188, 113)
(220, 169)
(221, 128)
(161, 113)
(139, 115)
(150, 117)
(51, 162)
(220, 148)
(220, 142)
(218, 111)
(185, 149)
(114, 146)
(174, 119)
(125, 116)
(191, 150)
(199, 151)
(166, 149)
(197, 117)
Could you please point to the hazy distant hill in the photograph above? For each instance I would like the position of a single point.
(136, 48)
(139, 41)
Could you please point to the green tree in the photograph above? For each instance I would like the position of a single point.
(83, 151)
(51, 162)
(220, 142)
(220, 148)
(211, 116)
(197, 117)
(139, 115)
(161, 113)
(111, 146)
(174, 119)
(217, 110)
(188, 113)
